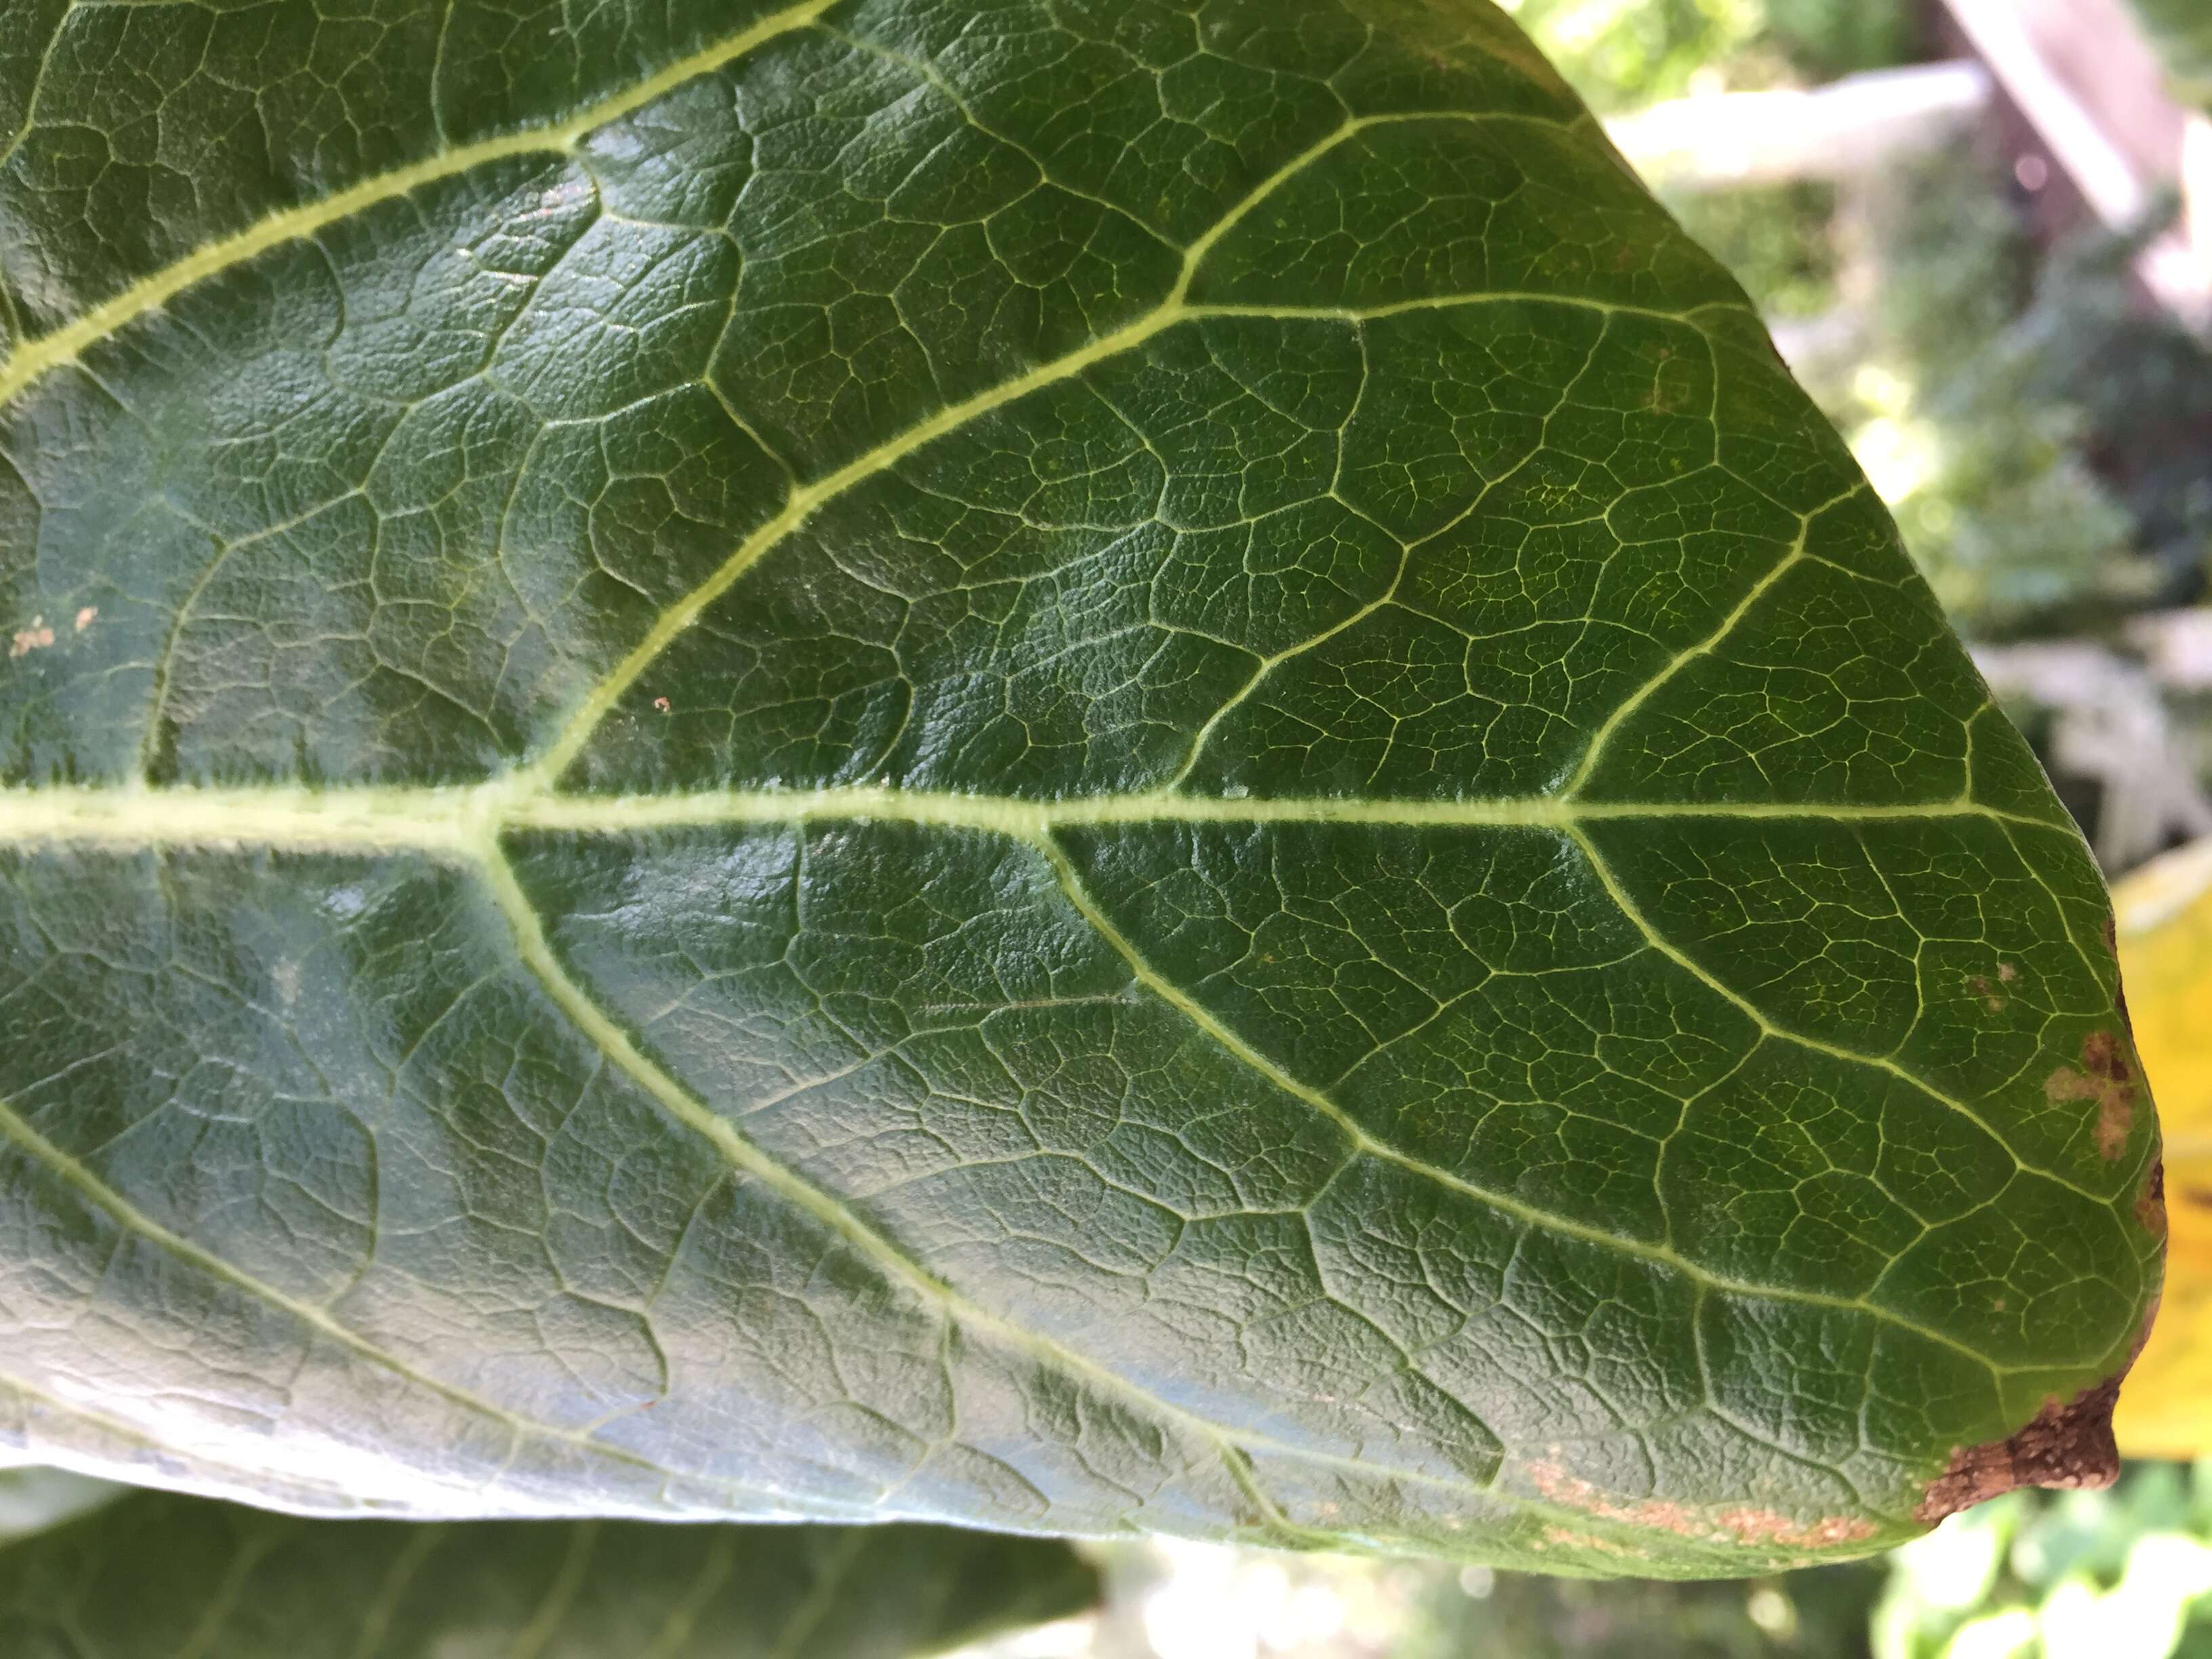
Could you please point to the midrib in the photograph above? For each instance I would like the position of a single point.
(462, 822)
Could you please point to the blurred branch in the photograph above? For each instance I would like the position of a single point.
(2088, 82)
(2110, 725)
(1839, 131)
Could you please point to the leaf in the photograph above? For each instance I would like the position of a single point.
(2165, 912)
(157, 1574)
(32, 1500)
(1072, 766)
(2182, 33)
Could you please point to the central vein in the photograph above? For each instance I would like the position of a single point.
(463, 822)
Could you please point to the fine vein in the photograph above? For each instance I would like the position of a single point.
(65, 344)
(83, 1181)
(1229, 1441)
(1231, 1043)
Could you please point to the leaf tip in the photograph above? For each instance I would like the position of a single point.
(2068, 1444)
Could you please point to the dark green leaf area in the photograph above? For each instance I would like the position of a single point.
(154, 1575)
(1072, 1175)
(388, 500)
(1429, 555)
(1070, 766)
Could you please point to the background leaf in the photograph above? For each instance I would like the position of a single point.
(2183, 33)
(1076, 767)
(31, 1498)
(155, 1575)
(2165, 914)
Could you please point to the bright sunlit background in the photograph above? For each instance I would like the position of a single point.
(1969, 224)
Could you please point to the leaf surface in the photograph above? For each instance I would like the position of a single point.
(1071, 765)
(154, 1575)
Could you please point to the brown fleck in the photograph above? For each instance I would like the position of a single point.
(2150, 1208)
(1741, 1526)
(2007, 972)
(661, 703)
(86, 617)
(1582, 1540)
(2067, 1445)
(36, 637)
(1987, 992)
(2105, 1078)
(1764, 1527)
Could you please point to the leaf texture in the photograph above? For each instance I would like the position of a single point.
(1072, 765)
(157, 1576)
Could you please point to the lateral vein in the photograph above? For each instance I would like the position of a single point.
(601, 1029)
(35, 358)
(1176, 306)
(1629, 907)
(1382, 1151)
(76, 1174)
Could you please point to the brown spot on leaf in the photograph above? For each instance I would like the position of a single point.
(2069, 1446)
(85, 618)
(1981, 987)
(36, 637)
(1740, 1525)
(2150, 1206)
(2119, 986)
(1764, 1527)
(1584, 1540)
(2007, 972)
(2105, 1078)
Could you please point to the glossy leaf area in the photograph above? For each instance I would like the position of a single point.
(155, 1575)
(1072, 765)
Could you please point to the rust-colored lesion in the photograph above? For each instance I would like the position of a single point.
(2112, 937)
(2069, 1444)
(1741, 1524)
(2151, 1203)
(2106, 1079)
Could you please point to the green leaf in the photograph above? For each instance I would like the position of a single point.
(1072, 766)
(2182, 31)
(155, 1575)
(31, 1498)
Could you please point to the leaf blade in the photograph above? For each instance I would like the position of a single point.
(826, 836)
(156, 1573)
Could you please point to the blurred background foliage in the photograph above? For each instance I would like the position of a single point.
(2041, 438)
(2124, 1574)
(1624, 54)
